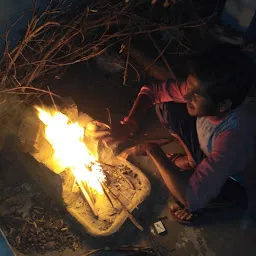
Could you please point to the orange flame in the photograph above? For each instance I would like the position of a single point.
(66, 138)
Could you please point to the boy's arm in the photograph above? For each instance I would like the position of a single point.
(227, 158)
(209, 176)
(155, 93)
(172, 176)
(149, 95)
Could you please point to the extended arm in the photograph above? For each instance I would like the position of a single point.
(205, 183)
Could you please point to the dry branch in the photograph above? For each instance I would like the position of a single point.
(108, 197)
(61, 36)
(133, 220)
(126, 179)
(87, 198)
(127, 62)
(161, 54)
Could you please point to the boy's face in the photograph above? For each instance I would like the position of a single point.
(198, 103)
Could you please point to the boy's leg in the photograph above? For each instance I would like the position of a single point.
(175, 118)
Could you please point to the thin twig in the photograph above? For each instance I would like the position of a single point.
(87, 198)
(123, 195)
(73, 186)
(109, 117)
(120, 173)
(28, 88)
(162, 56)
(133, 220)
(90, 192)
(52, 98)
(137, 73)
(93, 252)
(126, 179)
(109, 165)
(127, 61)
(108, 197)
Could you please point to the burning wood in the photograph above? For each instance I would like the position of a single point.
(87, 197)
(70, 152)
(99, 193)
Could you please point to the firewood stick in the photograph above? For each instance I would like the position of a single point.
(121, 174)
(108, 165)
(132, 219)
(87, 198)
(73, 187)
(92, 195)
(108, 197)
(126, 179)
(89, 192)
(123, 195)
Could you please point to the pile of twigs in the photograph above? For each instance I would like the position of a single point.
(62, 35)
(32, 223)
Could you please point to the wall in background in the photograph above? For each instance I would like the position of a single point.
(242, 15)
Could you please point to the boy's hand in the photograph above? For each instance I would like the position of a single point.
(132, 124)
(97, 130)
(119, 131)
(117, 146)
(138, 150)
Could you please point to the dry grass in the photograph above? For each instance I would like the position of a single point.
(61, 36)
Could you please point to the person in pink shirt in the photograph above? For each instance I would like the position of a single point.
(210, 115)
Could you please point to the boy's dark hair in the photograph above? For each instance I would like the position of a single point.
(228, 70)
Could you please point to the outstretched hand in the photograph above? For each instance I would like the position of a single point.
(116, 141)
(119, 140)
(119, 131)
(138, 150)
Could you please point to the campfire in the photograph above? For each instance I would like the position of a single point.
(99, 193)
(70, 152)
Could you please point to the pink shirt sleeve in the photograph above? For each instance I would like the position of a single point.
(227, 158)
(170, 90)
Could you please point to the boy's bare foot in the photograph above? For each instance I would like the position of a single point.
(182, 215)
